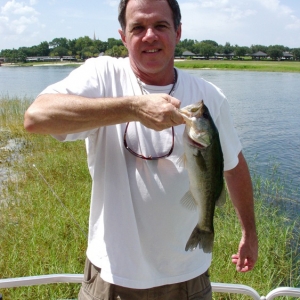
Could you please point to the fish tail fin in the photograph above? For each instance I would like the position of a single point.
(205, 240)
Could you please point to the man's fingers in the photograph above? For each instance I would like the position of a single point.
(242, 264)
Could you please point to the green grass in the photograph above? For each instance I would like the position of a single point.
(241, 65)
(39, 236)
(238, 65)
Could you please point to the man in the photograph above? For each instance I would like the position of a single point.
(138, 228)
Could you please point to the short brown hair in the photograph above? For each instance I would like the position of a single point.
(172, 3)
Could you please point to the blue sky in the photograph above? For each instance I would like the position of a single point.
(242, 22)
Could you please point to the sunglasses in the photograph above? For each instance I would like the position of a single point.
(150, 157)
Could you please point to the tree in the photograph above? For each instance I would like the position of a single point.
(22, 56)
(228, 48)
(178, 50)
(60, 51)
(210, 42)
(124, 51)
(296, 53)
(101, 46)
(187, 44)
(275, 52)
(90, 51)
(43, 49)
(207, 49)
(256, 48)
(72, 46)
(82, 43)
(241, 51)
(111, 42)
(59, 42)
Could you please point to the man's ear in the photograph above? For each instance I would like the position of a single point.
(178, 34)
(123, 37)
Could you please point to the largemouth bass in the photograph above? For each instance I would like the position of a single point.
(203, 159)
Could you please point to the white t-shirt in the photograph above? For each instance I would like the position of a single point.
(138, 228)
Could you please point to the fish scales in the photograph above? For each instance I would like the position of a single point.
(203, 159)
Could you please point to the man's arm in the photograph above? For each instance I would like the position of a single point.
(240, 191)
(62, 114)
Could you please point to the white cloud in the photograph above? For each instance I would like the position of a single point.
(112, 3)
(239, 22)
(17, 8)
(295, 23)
(16, 19)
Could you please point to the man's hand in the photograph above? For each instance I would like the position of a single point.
(247, 255)
(158, 111)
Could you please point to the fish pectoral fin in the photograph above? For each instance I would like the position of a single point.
(188, 201)
(181, 161)
(222, 199)
(202, 238)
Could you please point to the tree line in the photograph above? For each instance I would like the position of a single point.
(85, 47)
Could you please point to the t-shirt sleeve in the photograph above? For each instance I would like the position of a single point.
(230, 142)
(82, 81)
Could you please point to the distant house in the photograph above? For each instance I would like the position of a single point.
(229, 55)
(258, 55)
(50, 58)
(287, 55)
(68, 58)
(188, 54)
(218, 56)
(42, 58)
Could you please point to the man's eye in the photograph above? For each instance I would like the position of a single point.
(137, 28)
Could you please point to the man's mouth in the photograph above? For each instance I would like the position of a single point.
(152, 51)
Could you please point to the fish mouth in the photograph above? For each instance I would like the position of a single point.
(191, 112)
(197, 139)
(196, 144)
(186, 116)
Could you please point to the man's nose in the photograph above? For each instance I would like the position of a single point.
(150, 35)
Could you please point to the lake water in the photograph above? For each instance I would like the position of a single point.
(265, 107)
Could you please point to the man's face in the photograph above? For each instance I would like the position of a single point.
(150, 37)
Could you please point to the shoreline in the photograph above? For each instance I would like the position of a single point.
(60, 64)
(224, 65)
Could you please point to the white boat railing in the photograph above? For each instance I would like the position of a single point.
(216, 287)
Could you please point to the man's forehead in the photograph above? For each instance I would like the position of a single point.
(149, 5)
(147, 2)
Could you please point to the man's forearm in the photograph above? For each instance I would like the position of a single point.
(59, 114)
(62, 114)
(241, 193)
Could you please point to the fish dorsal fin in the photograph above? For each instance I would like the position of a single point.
(188, 201)
(181, 161)
(222, 198)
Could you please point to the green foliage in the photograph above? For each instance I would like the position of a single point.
(82, 48)
(296, 53)
(275, 52)
(41, 234)
(85, 47)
